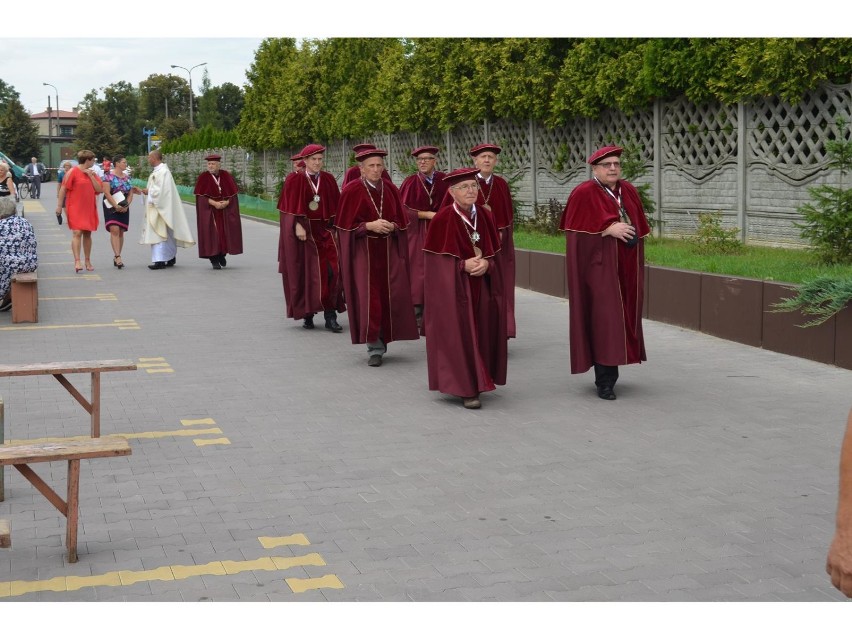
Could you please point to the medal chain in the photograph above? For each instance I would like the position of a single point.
(381, 205)
(474, 237)
(429, 190)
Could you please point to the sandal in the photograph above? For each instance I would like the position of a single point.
(77, 267)
(117, 263)
(89, 266)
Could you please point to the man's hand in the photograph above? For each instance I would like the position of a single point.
(382, 227)
(476, 266)
(620, 231)
(301, 234)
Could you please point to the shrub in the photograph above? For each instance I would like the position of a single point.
(545, 218)
(828, 219)
(632, 168)
(256, 178)
(713, 238)
(821, 297)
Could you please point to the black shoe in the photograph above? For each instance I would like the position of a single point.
(215, 263)
(606, 392)
(172, 262)
(375, 360)
(309, 322)
(157, 266)
(223, 261)
(333, 326)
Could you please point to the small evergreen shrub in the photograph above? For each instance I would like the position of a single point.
(821, 297)
(712, 238)
(828, 219)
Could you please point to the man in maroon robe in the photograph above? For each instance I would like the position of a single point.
(604, 224)
(494, 195)
(422, 194)
(465, 314)
(308, 257)
(372, 227)
(496, 199)
(217, 211)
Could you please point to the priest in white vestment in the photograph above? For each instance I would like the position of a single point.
(165, 225)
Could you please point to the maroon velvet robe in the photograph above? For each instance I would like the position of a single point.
(606, 278)
(219, 231)
(497, 197)
(310, 270)
(464, 316)
(375, 267)
(417, 195)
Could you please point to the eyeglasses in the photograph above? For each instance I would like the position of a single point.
(425, 159)
(469, 186)
(608, 165)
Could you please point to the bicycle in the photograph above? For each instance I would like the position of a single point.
(24, 188)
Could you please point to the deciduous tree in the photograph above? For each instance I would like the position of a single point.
(18, 135)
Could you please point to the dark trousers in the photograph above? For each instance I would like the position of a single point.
(605, 376)
(35, 186)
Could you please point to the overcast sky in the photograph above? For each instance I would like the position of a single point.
(226, 35)
(76, 66)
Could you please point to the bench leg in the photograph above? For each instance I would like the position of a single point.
(24, 302)
(96, 404)
(5, 534)
(73, 505)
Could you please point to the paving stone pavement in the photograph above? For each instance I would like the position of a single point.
(711, 478)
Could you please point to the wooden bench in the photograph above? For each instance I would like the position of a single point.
(59, 370)
(23, 454)
(25, 298)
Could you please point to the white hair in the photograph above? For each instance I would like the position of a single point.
(7, 207)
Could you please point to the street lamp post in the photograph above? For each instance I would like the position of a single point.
(49, 134)
(47, 84)
(50, 142)
(189, 73)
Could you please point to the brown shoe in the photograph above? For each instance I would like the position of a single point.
(472, 402)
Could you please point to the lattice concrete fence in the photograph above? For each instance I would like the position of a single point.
(753, 161)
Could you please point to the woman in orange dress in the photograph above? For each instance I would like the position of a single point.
(78, 194)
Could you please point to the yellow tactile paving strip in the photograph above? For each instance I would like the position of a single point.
(166, 573)
(128, 324)
(153, 434)
(208, 442)
(101, 297)
(292, 540)
(153, 365)
(175, 573)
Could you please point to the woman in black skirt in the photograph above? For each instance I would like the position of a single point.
(118, 193)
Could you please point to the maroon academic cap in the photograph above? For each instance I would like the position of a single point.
(425, 149)
(368, 153)
(460, 175)
(604, 152)
(311, 149)
(479, 148)
(214, 157)
(297, 156)
(363, 147)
